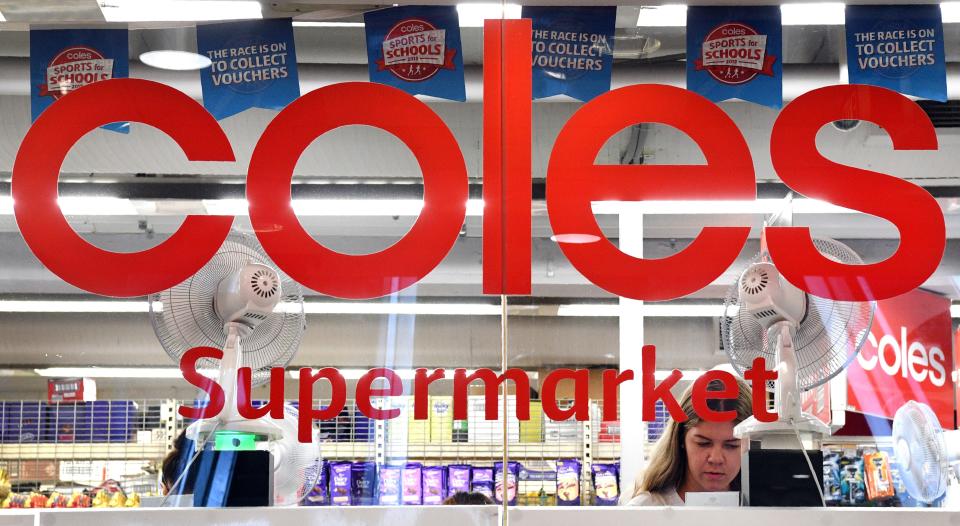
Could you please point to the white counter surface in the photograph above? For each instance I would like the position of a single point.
(483, 516)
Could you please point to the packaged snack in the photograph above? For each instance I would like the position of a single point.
(506, 490)
(340, 483)
(482, 481)
(606, 484)
(876, 472)
(458, 479)
(318, 496)
(388, 485)
(412, 484)
(434, 488)
(568, 482)
(363, 483)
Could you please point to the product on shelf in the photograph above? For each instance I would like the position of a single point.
(852, 489)
(568, 482)
(831, 479)
(441, 419)
(4, 484)
(482, 481)
(363, 483)
(876, 471)
(80, 500)
(340, 483)
(434, 487)
(505, 485)
(458, 479)
(388, 485)
(411, 481)
(606, 485)
(319, 496)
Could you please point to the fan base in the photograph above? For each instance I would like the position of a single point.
(201, 430)
(782, 434)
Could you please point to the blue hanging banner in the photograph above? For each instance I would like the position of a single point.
(417, 49)
(253, 65)
(63, 60)
(735, 53)
(572, 50)
(897, 47)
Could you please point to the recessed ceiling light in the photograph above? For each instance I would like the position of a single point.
(576, 239)
(175, 60)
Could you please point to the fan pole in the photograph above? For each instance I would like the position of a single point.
(787, 394)
(228, 374)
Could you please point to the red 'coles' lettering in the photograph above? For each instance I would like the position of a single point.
(573, 182)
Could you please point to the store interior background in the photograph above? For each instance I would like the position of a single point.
(363, 163)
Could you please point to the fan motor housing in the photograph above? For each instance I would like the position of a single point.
(248, 295)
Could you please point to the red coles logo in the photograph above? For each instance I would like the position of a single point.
(574, 181)
(735, 53)
(907, 356)
(414, 50)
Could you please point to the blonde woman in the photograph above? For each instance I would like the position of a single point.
(695, 455)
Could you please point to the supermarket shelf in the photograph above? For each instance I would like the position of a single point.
(92, 451)
(607, 451)
(463, 450)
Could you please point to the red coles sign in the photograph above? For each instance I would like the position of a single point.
(573, 182)
(908, 356)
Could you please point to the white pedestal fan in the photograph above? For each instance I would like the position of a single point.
(929, 457)
(238, 303)
(807, 339)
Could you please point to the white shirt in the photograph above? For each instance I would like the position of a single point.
(663, 498)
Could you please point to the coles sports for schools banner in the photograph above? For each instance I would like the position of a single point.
(572, 50)
(735, 53)
(417, 49)
(897, 47)
(63, 60)
(253, 65)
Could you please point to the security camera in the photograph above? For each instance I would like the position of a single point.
(846, 125)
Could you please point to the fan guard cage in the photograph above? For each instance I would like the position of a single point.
(298, 468)
(183, 317)
(826, 340)
(926, 476)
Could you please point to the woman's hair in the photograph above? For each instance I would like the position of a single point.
(668, 461)
(465, 498)
(173, 463)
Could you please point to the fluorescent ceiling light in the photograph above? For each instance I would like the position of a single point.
(404, 374)
(950, 12)
(175, 60)
(118, 372)
(78, 306)
(96, 206)
(429, 309)
(473, 15)
(377, 308)
(649, 310)
(816, 13)
(178, 10)
(813, 14)
(759, 206)
(338, 207)
(663, 16)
